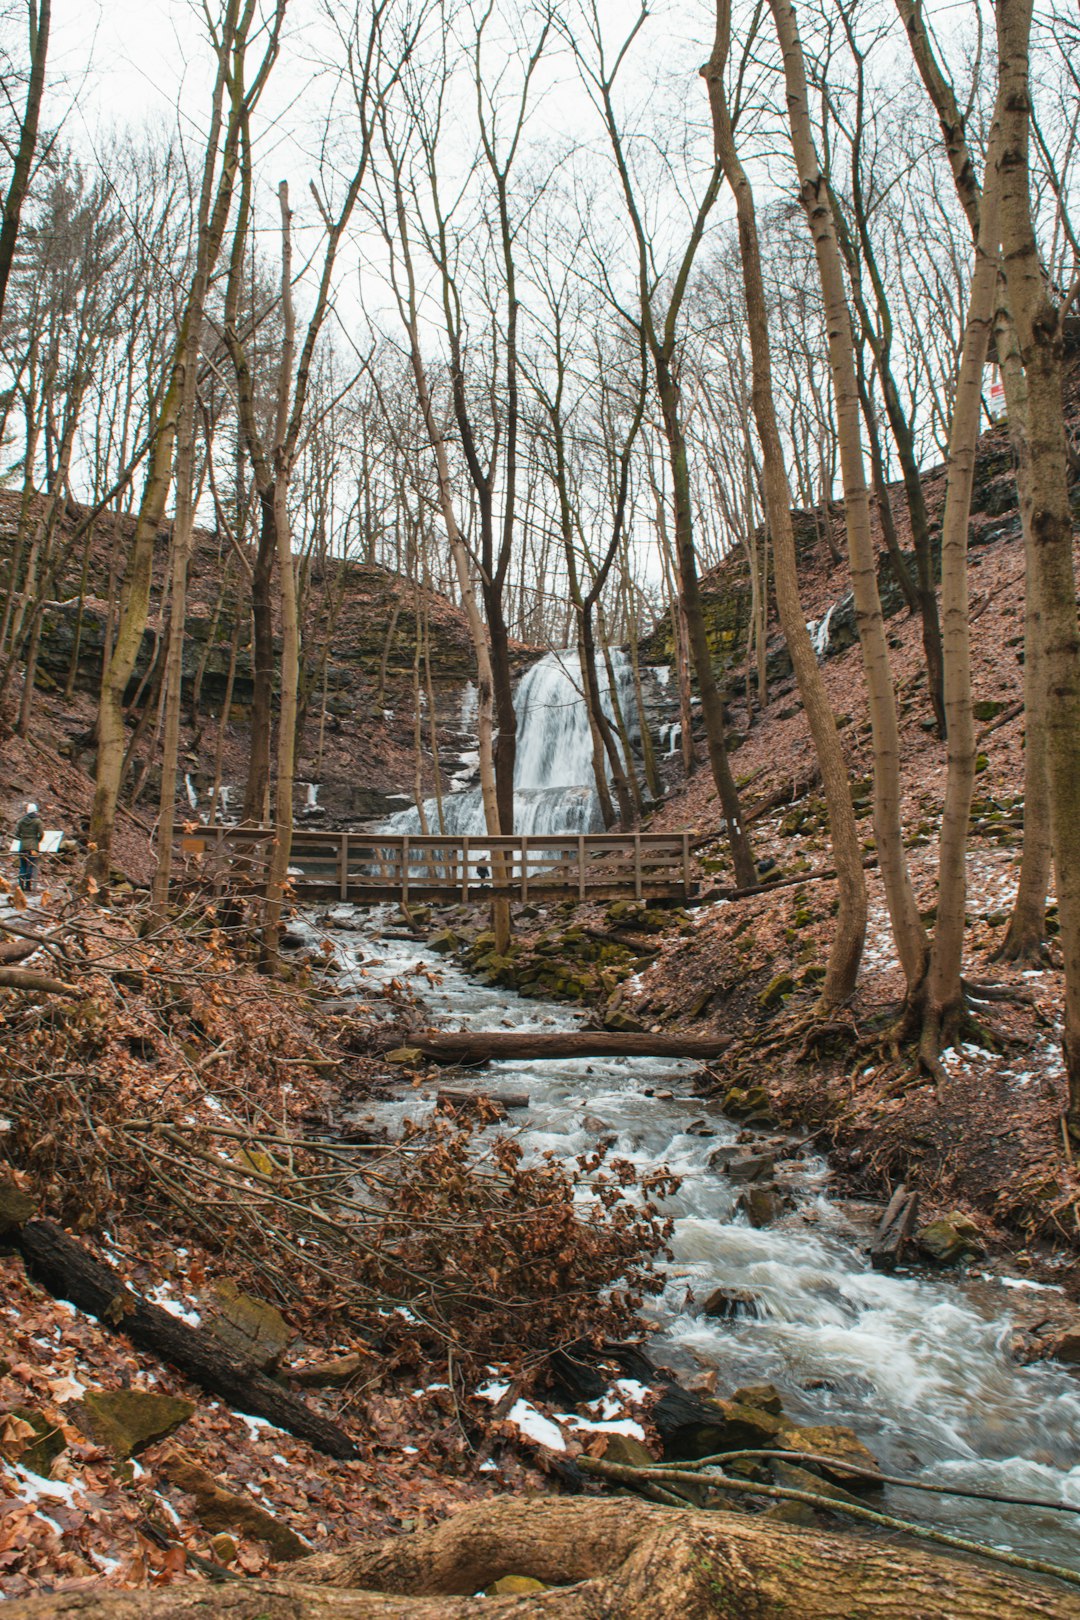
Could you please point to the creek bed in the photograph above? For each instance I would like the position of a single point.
(917, 1364)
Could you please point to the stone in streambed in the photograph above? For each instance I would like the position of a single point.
(129, 1420)
(762, 1204)
(831, 1440)
(764, 1397)
(730, 1302)
(794, 1478)
(627, 1452)
(950, 1239)
(741, 1167)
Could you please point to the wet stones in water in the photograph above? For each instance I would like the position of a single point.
(762, 1203)
(728, 1303)
(444, 942)
(765, 1397)
(741, 1167)
(691, 1427)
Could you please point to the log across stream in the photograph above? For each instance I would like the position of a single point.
(916, 1363)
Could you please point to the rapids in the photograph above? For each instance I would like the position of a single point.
(916, 1363)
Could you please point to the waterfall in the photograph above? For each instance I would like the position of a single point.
(554, 787)
(192, 793)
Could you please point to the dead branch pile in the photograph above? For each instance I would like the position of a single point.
(177, 1088)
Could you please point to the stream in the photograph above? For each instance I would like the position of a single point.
(917, 1364)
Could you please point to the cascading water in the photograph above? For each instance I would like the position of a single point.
(554, 787)
(919, 1366)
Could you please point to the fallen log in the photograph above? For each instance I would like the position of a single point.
(460, 1097)
(594, 1557)
(480, 1046)
(70, 1271)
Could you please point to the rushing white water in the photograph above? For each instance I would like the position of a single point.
(312, 800)
(191, 791)
(819, 632)
(554, 786)
(916, 1363)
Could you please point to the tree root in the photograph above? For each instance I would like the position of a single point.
(599, 1559)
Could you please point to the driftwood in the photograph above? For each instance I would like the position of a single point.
(479, 1046)
(817, 876)
(71, 1272)
(597, 1558)
(894, 1230)
(461, 1097)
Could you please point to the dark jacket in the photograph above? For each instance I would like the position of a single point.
(29, 831)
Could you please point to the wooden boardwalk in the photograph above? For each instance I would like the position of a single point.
(372, 868)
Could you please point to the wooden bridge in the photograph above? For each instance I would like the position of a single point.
(367, 868)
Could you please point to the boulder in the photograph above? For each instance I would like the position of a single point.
(1065, 1346)
(251, 1329)
(830, 1440)
(623, 1023)
(775, 991)
(730, 1302)
(404, 1056)
(333, 1374)
(692, 1426)
(444, 941)
(765, 1397)
(129, 1420)
(949, 1239)
(762, 1203)
(628, 1452)
(741, 1167)
(750, 1104)
(795, 1478)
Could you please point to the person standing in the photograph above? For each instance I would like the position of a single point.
(29, 831)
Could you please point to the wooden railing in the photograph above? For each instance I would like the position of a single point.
(371, 868)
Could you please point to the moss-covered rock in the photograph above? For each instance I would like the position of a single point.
(129, 1420)
(775, 991)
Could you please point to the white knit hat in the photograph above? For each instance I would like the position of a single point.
(31, 809)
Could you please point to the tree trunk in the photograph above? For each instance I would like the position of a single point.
(712, 708)
(943, 996)
(600, 1559)
(19, 184)
(480, 1046)
(257, 788)
(907, 928)
(847, 943)
(1038, 326)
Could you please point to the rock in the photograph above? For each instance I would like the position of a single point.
(751, 1104)
(947, 1240)
(444, 941)
(831, 1440)
(221, 1509)
(28, 1437)
(334, 1374)
(251, 1329)
(628, 1452)
(801, 1479)
(691, 1426)
(509, 1585)
(775, 991)
(16, 1206)
(741, 1167)
(224, 1547)
(129, 1420)
(623, 1023)
(762, 1204)
(730, 1302)
(404, 1056)
(766, 1397)
(1066, 1346)
(792, 1513)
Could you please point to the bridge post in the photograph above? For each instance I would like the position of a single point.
(637, 866)
(464, 871)
(343, 866)
(686, 865)
(581, 865)
(405, 873)
(525, 868)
